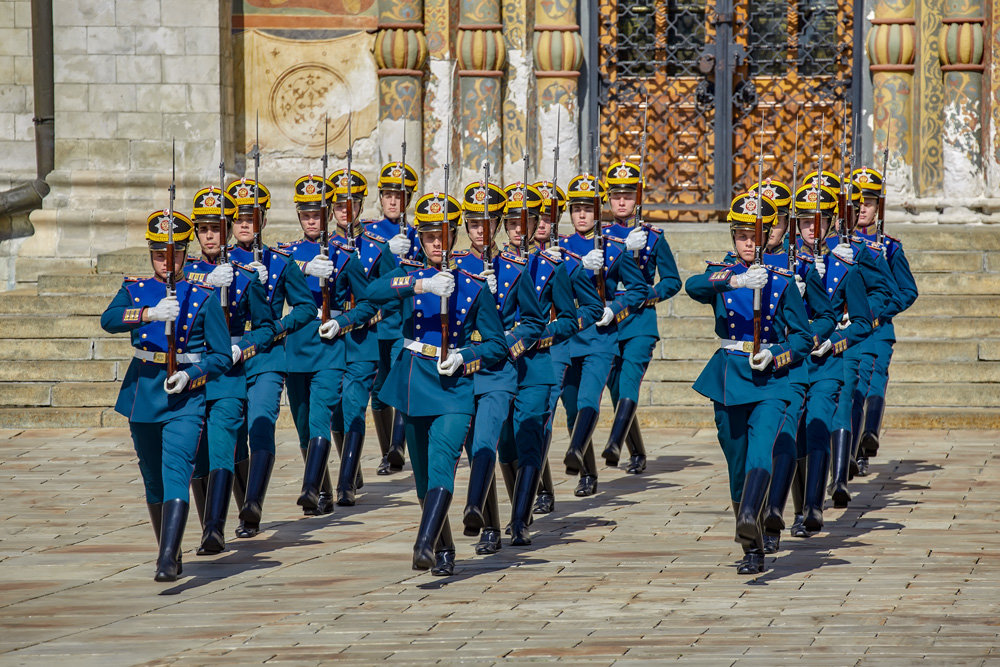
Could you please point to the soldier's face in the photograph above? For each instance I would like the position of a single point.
(477, 232)
(432, 243)
(582, 216)
(806, 231)
(544, 230)
(513, 228)
(243, 227)
(311, 222)
(210, 238)
(777, 232)
(622, 204)
(159, 261)
(393, 203)
(867, 211)
(745, 247)
(340, 212)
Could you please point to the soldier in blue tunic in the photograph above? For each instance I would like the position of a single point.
(589, 306)
(284, 283)
(166, 413)
(432, 387)
(360, 337)
(749, 390)
(592, 351)
(396, 183)
(873, 372)
(250, 328)
(637, 333)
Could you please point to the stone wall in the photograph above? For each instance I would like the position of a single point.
(17, 135)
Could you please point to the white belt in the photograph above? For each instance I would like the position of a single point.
(421, 348)
(741, 345)
(161, 357)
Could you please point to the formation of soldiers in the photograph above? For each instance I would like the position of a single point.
(472, 349)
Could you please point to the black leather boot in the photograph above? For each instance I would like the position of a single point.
(350, 466)
(817, 469)
(317, 454)
(636, 448)
(798, 499)
(546, 500)
(242, 471)
(773, 520)
(583, 431)
(624, 414)
(396, 456)
(325, 504)
(840, 445)
(199, 490)
(874, 409)
(509, 473)
(155, 518)
(383, 431)
(588, 476)
(213, 535)
(435, 510)
(480, 478)
(520, 513)
(258, 477)
(748, 531)
(489, 540)
(338, 442)
(174, 517)
(444, 552)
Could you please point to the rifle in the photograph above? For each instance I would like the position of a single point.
(258, 246)
(350, 193)
(598, 205)
(642, 170)
(554, 194)
(817, 184)
(843, 196)
(402, 182)
(880, 220)
(523, 226)
(849, 217)
(224, 235)
(792, 223)
(445, 248)
(171, 275)
(487, 218)
(324, 230)
(758, 238)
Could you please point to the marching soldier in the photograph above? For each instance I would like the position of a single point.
(522, 446)
(874, 371)
(749, 389)
(250, 328)
(592, 350)
(589, 306)
(283, 283)
(638, 332)
(781, 195)
(173, 325)
(431, 386)
(396, 183)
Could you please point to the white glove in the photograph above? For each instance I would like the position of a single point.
(491, 280)
(175, 383)
(451, 364)
(754, 278)
(441, 283)
(166, 310)
(801, 284)
(221, 276)
(636, 239)
(822, 349)
(844, 251)
(555, 251)
(237, 354)
(606, 317)
(261, 271)
(319, 266)
(844, 322)
(594, 260)
(329, 329)
(399, 244)
(821, 267)
(761, 360)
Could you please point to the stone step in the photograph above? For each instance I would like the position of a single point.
(50, 349)
(27, 301)
(27, 327)
(90, 284)
(55, 371)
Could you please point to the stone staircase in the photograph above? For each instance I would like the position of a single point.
(58, 368)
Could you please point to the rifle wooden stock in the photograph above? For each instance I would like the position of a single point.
(758, 238)
(445, 261)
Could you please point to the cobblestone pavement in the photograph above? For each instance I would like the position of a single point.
(643, 571)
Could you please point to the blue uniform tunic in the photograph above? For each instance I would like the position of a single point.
(438, 408)
(638, 333)
(251, 327)
(750, 405)
(266, 370)
(166, 427)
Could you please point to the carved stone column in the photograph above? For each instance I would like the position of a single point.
(401, 53)
(481, 59)
(558, 55)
